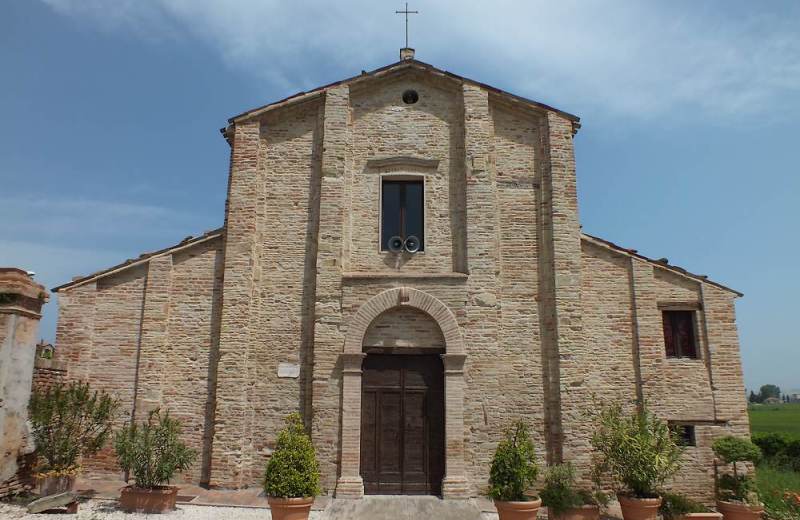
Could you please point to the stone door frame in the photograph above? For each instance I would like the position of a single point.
(350, 484)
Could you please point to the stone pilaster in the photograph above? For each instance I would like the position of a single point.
(245, 194)
(21, 301)
(481, 319)
(154, 357)
(350, 483)
(724, 358)
(328, 327)
(455, 484)
(565, 377)
(649, 334)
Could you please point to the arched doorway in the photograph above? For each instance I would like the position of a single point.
(402, 404)
(354, 369)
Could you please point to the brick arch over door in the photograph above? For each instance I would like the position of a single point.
(455, 484)
(404, 297)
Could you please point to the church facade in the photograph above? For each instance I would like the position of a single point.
(402, 263)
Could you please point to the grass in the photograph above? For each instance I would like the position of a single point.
(774, 482)
(776, 418)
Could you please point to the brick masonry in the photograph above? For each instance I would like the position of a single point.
(533, 317)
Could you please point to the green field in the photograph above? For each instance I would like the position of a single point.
(773, 482)
(775, 418)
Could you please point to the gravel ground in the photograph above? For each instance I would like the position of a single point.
(107, 510)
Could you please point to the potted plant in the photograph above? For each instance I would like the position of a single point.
(639, 452)
(513, 472)
(675, 506)
(68, 421)
(564, 500)
(152, 451)
(737, 495)
(291, 480)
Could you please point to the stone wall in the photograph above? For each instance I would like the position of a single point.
(623, 297)
(147, 335)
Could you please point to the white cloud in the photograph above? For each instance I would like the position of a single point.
(629, 58)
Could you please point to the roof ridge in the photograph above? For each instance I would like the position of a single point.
(186, 242)
(662, 262)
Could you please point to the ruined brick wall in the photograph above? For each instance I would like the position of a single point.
(48, 373)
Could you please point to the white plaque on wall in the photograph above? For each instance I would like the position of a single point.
(288, 370)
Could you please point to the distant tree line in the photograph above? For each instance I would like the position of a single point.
(765, 392)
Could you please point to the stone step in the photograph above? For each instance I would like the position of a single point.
(401, 508)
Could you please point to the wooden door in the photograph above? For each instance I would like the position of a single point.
(402, 424)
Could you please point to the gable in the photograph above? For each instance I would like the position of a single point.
(395, 69)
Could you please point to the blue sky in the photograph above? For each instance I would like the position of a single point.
(689, 149)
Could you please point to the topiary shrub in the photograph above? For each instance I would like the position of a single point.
(292, 470)
(152, 450)
(514, 468)
(638, 450)
(674, 505)
(69, 422)
(737, 488)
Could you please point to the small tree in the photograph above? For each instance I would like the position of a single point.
(292, 470)
(152, 450)
(69, 422)
(731, 450)
(638, 450)
(514, 468)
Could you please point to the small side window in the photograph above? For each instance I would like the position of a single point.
(679, 334)
(684, 433)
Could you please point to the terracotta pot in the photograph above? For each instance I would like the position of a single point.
(591, 512)
(712, 515)
(290, 508)
(518, 510)
(739, 511)
(148, 500)
(639, 508)
(55, 485)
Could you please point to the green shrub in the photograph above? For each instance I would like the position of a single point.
(738, 488)
(772, 444)
(779, 489)
(779, 449)
(292, 470)
(514, 468)
(560, 492)
(674, 505)
(638, 451)
(68, 422)
(152, 450)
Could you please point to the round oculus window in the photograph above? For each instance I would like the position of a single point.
(410, 97)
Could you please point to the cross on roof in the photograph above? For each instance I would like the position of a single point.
(406, 12)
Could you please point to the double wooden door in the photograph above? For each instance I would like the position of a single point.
(402, 424)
